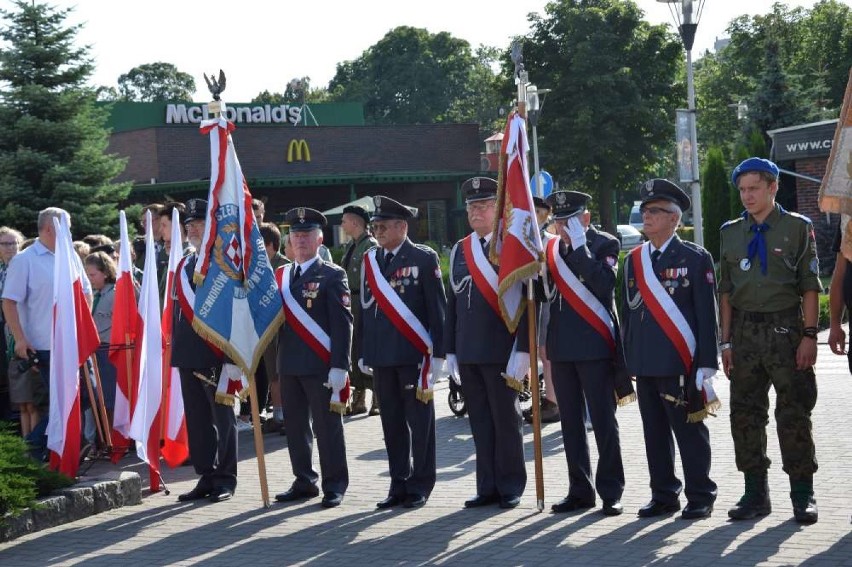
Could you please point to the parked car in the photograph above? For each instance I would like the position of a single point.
(635, 219)
(630, 237)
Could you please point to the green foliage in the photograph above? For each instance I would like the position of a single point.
(686, 233)
(22, 479)
(152, 82)
(52, 137)
(610, 114)
(824, 311)
(741, 153)
(293, 94)
(412, 76)
(715, 198)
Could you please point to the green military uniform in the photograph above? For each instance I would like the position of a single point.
(353, 260)
(766, 329)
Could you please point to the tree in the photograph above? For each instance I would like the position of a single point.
(293, 94)
(776, 102)
(52, 136)
(414, 77)
(715, 199)
(155, 82)
(614, 91)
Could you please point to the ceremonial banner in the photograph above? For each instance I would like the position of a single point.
(237, 304)
(835, 192)
(122, 339)
(145, 424)
(175, 440)
(516, 245)
(73, 340)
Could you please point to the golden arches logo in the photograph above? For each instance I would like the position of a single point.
(298, 150)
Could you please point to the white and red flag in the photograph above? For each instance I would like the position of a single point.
(516, 245)
(145, 424)
(122, 340)
(73, 340)
(175, 440)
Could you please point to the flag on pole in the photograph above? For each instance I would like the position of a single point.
(516, 245)
(145, 423)
(122, 339)
(237, 304)
(176, 442)
(73, 340)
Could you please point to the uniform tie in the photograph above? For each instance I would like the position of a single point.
(655, 255)
(388, 259)
(297, 273)
(757, 246)
(484, 244)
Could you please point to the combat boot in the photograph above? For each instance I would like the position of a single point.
(374, 404)
(804, 504)
(359, 405)
(755, 501)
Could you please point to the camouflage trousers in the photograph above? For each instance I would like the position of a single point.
(764, 354)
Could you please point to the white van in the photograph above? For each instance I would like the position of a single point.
(635, 219)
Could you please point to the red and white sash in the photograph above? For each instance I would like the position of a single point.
(662, 307)
(481, 271)
(299, 320)
(184, 292)
(578, 296)
(399, 314)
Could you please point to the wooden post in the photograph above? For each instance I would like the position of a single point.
(102, 403)
(85, 375)
(258, 442)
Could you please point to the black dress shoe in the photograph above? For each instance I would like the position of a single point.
(389, 502)
(656, 508)
(612, 508)
(220, 494)
(508, 502)
(572, 504)
(331, 500)
(296, 494)
(480, 500)
(694, 511)
(414, 501)
(196, 493)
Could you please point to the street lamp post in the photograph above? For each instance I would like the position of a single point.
(687, 25)
(534, 104)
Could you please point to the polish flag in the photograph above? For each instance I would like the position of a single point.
(145, 423)
(73, 341)
(176, 442)
(125, 320)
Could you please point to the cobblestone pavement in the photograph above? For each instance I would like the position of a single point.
(162, 531)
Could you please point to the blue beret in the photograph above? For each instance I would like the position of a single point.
(754, 164)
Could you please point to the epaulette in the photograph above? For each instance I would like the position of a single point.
(730, 223)
(334, 266)
(800, 217)
(425, 248)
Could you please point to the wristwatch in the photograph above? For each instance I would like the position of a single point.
(725, 346)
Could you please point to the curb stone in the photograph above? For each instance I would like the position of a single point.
(88, 497)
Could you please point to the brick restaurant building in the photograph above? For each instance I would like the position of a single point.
(289, 164)
(804, 150)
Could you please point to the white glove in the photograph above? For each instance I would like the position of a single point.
(518, 366)
(336, 379)
(453, 368)
(364, 368)
(435, 370)
(704, 376)
(232, 372)
(576, 232)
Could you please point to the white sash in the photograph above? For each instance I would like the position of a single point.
(304, 319)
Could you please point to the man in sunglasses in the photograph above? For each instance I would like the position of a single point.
(670, 331)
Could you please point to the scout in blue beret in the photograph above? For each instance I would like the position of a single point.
(304, 219)
(754, 164)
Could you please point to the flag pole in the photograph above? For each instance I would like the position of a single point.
(522, 78)
(84, 375)
(258, 441)
(102, 403)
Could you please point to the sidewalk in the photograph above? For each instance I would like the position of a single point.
(240, 532)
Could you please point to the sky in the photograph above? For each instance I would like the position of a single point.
(263, 44)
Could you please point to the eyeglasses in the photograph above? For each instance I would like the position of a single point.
(377, 228)
(654, 210)
(480, 207)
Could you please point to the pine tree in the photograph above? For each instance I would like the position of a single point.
(741, 152)
(52, 137)
(715, 200)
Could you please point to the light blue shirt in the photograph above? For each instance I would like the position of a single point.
(29, 282)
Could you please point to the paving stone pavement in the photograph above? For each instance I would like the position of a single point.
(162, 531)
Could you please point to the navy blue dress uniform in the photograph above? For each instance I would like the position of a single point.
(586, 368)
(211, 426)
(320, 288)
(669, 399)
(476, 334)
(408, 424)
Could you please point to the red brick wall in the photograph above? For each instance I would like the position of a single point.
(807, 200)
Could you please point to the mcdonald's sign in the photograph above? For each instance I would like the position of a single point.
(298, 150)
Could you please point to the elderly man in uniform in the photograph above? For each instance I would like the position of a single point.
(403, 302)
(769, 288)
(210, 425)
(478, 346)
(354, 223)
(670, 333)
(585, 351)
(313, 361)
